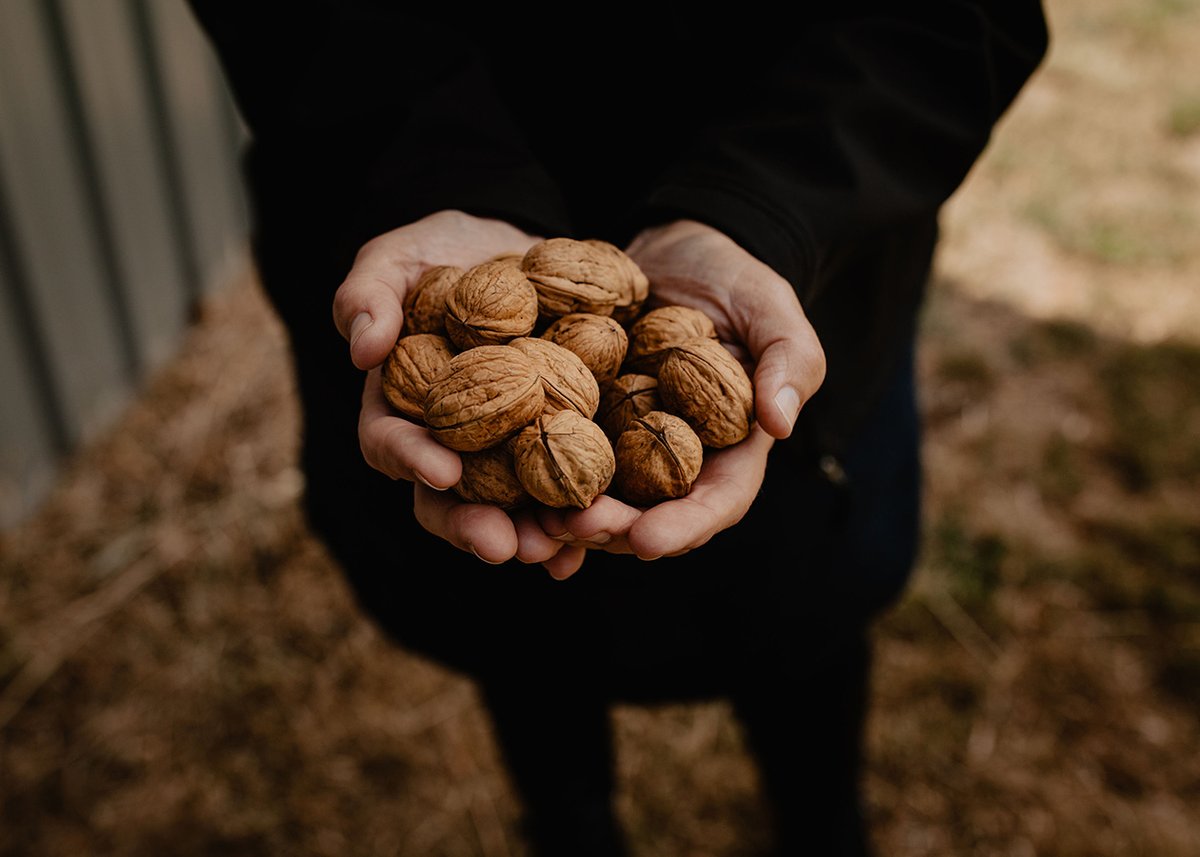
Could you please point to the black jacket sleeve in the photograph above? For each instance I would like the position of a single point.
(869, 117)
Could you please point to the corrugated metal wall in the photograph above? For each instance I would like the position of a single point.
(120, 205)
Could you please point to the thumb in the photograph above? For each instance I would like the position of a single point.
(368, 311)
(789, 370)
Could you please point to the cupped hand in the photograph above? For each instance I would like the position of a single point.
(368, 312)
(759, 318)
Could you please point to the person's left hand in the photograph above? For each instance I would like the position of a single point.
(759, 318)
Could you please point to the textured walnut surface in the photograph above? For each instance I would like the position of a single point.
(567, 381)
(425, 303)
(629, 396)
(573, 276)
(564, 459)
(599, 340)
(658, 458)
(707, 386)
(489, 476)
(662, 328)
(490, 304)
(635, 286)
(482, 397)
(410, 369)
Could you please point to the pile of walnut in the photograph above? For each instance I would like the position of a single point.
(555, 383)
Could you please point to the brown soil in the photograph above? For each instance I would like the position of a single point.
(182, 670)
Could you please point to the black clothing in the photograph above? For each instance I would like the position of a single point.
(825, 148)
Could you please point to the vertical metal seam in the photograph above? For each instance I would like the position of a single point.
(83, 148)
(47, 392)
(170, 165)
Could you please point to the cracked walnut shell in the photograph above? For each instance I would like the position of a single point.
(628, 397)
(490, 304)
(564, 460)
(658, 458)
(566, 380)
(704, 384)
(410, 368)
(482, 397)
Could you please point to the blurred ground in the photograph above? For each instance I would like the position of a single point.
(182, 671)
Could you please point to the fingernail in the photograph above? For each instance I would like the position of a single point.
(788, 402)
(420, 478)
(361, 322)
(600, 539)
(477, 556)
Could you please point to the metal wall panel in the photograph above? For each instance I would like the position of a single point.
(121, 204)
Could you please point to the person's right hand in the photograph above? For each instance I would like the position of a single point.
(368, 312)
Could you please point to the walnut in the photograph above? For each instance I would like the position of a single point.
(635, 286)
(564, 459)
(658, 458)
(661, 328)
(425, 303)
(413, 364)
(629, 396)
(707, 386)
(490, 304)
(489, 476)
(599, 340)
(573, 276)
(566, 379)
(482, 397)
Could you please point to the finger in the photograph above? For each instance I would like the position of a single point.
(725, 489)
(533, 544)
(602, 522)
(483, 530)
(368, 305)
(566, 562)
(400, 448)
(790, 362)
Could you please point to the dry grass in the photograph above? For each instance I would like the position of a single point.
(182, 670)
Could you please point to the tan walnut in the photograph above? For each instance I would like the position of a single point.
(658, 458)
(425, 303)
(482, 397)
(490, 304)
(635, 286)
(566, 380)
(661, 328)
(573, 276)
(628, 397)
(599, 340)
(489, 476)
(704, 384)
(564, 459)
(411, 367)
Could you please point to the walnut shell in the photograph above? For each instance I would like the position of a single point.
(567, 381)
(573, 276)
(628, 397)
(425, 303)
(489, 476)
(411, 367)
(661, 328)
(564, 459)
(599, 340)
(658, 458)
(635, 284)
(707, 386)
(490, 304)
(482, 397)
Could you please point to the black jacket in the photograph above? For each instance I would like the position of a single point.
(825, 147)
